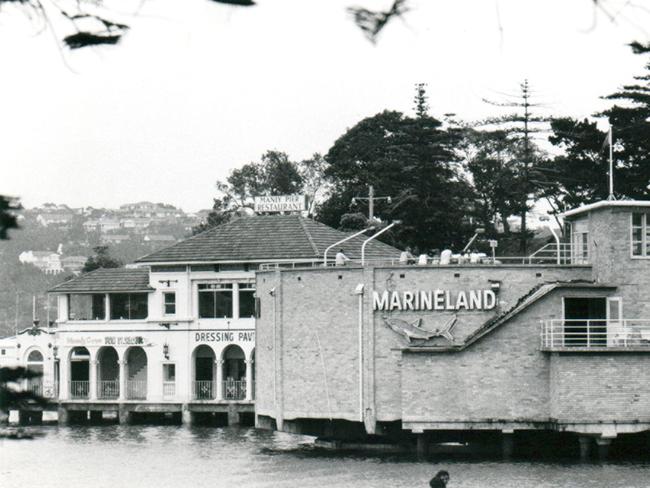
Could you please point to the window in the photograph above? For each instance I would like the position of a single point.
(246, 300)
(4, 352)
(169, 372)
(86, 307)
(169, 304)
(215, 300)
(641, 235)
(581, 247)
(129, 306)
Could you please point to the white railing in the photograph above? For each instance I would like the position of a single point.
(79, 389)
(108, 389)
(136, 389)
(548, 254)
(35, 387)
(595, 334)
(234, 390)
(203, 390)
(169, 389)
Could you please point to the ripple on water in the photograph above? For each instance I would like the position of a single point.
(180, 457)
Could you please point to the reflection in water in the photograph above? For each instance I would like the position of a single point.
(197, 457)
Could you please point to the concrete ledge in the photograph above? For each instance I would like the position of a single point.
(597, 350)
(220, 407)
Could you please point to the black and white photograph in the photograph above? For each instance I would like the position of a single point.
(325, 243)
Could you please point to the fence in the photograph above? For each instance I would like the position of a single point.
(108, 389)
(596, 333)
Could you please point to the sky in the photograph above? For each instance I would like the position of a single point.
(192, 92)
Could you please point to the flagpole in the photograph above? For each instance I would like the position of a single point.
(611, 166)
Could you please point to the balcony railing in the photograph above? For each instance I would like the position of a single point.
(169, 389)
(550, 254)
(234, 390)
(204, 390)
(108, 389)
(596, 334)
(79, 389)
(35, 387)
(136, 389)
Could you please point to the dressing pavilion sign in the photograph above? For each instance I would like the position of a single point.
(438, 300)
(281, 203)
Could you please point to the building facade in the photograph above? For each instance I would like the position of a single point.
(174, 333)
(556, 343)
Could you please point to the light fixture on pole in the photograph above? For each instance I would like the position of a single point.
(546, 219)
(371, 198)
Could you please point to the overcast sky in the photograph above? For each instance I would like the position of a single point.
(191, 93)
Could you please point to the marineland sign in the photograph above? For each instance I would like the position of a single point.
(434, 300)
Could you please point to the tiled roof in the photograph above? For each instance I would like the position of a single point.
(266, 237)
(107, 279)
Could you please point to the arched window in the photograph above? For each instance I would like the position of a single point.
(35, 357)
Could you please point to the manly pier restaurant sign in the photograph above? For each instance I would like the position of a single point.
(434, 300)
(281, 203)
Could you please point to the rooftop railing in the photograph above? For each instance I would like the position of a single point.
(550, 254)
(596, 334)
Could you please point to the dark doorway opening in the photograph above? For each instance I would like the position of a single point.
(585, 322)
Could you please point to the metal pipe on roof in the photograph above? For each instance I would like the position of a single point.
(342, 241)
(363, 246)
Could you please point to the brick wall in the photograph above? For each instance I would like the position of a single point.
(600, 387)
(317, 334)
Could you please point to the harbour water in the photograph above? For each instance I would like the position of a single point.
(180, 457)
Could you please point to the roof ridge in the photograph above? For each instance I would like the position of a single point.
(309, 236)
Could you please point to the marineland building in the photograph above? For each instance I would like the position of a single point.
(551, 347)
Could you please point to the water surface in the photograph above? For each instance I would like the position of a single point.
(181, 457)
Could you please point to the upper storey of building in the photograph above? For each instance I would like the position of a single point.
(205, 281)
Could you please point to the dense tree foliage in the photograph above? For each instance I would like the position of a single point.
(101, 259)
(12, 396)
(274, 174)
(410, 159)
(8, 220)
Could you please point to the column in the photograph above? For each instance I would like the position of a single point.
(64, 376)
(507, 443)
(603, 447)
(123, 365)
(249, 380)
(92, 380)
(219, 380)
(422, 445)
(585, 444)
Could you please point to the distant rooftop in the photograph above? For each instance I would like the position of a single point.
(266, 238)
(605, 204)
(107, 280)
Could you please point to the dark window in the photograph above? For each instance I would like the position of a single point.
(170, 303)
(168, 269)
(246, 300)
(585, 321)
(129, 306)
(215, 300)
(169, 372)
(86, 307)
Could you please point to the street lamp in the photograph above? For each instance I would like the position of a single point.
(546, 219)
(371, 201)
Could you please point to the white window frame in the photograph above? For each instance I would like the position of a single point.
(164, 304)
(645, 231)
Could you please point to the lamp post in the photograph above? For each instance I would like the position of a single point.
(371, 201)
(546, 219)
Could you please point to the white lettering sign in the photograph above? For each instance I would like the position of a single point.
(434, 300)
(225, 336)
(281, 203)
